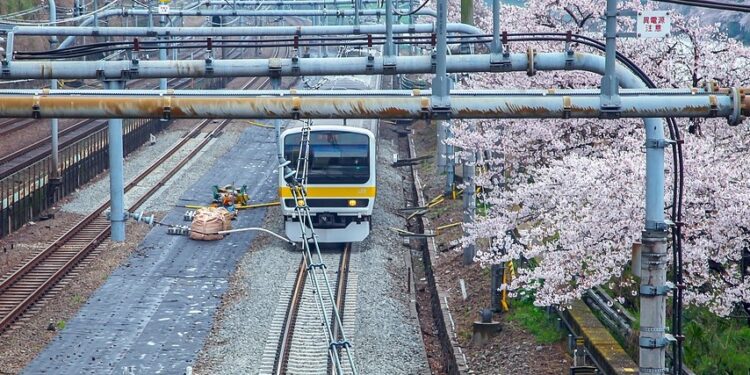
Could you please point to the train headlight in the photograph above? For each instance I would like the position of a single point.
(352, 203)
(300, 202)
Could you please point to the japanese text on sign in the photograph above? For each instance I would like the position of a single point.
(653, 24)
(163, 9)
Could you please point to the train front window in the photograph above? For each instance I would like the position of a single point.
(335, 157)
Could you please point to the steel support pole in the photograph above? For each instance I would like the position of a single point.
(467, 12)
(496, 48)
(653, 290)
(116, 178)
(163, 52)
(388, 47)
(610, 86)
(54, 125)
(276, 84)
(440, 88)
(357, 8)
(470, 200)
(450, 154)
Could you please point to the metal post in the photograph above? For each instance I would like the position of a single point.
(388, 47)
(496, 47)
(653, 288)
(496, 272)
(450, 160)
(357, 7)
(96, 13)
(467, 12)
(470, 201)
(440, 88)
(163, 52)
(610, 87)
(54, 129)
(276, 84)
(116, 179)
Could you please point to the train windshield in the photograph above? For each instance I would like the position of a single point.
(335, 157)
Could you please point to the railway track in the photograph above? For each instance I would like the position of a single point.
(297, 341)
(22, 288)
(68, 135)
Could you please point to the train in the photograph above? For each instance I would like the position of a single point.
(341, 182)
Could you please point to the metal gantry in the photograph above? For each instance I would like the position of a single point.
(441, 103)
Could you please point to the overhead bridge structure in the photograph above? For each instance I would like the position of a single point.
(623, 94)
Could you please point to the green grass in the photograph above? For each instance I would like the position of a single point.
(715, 345)
(60, 325)
(535, 320)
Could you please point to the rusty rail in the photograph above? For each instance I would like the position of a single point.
(81, 254)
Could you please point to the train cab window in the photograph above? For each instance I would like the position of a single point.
(335, 157)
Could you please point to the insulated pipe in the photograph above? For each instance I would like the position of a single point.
(238, 30)
(263, 67)
(82, 30)
(368, 105)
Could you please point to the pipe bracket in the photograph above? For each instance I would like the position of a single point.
(656, 290)
(295, 64)
(530, 68)
(658, 143)
(370, 66)
(499, 63)
(650, 370)
(653, 343)
(736, 117)
(166, 107)
(36, 107)
(209, 66)
(274, 67)
(5, 68)
(567, 106)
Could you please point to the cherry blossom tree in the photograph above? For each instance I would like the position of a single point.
(571, 194)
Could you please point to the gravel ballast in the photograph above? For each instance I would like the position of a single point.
(154, 312)
(386, 337)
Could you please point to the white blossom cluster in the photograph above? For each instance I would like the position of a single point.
(569, 194)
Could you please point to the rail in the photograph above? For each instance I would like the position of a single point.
(40, 288)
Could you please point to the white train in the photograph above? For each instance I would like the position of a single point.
(340, 182)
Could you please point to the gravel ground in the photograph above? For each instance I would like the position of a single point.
(88, 198)
(514, 351)
(386, 340)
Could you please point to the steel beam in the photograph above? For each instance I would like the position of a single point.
(372, 104)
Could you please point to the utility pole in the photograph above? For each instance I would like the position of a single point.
(116, 178)
(54, 179)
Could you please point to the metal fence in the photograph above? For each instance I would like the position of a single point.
(25, 195)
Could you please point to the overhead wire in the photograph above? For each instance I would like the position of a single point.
(710, 4)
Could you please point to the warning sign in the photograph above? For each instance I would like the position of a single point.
(653, 24)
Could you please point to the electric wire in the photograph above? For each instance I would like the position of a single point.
(411, 11)
(710, 4)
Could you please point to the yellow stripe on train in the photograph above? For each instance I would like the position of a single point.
(333, 192)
